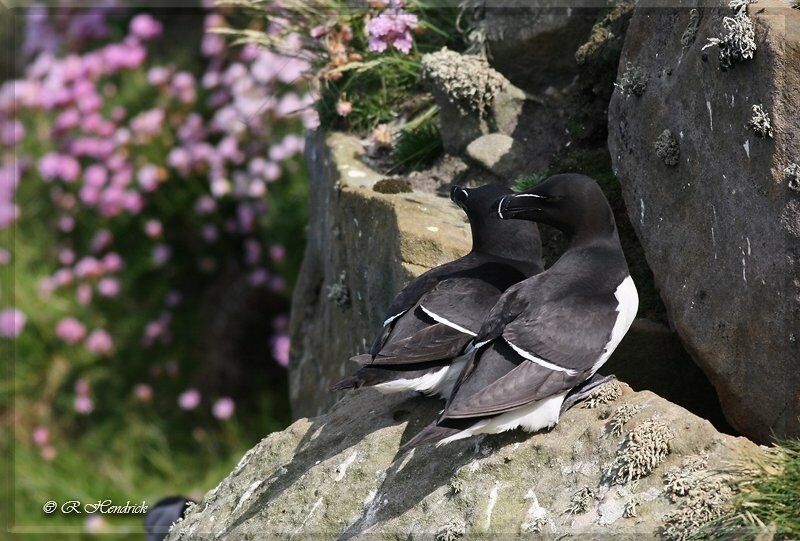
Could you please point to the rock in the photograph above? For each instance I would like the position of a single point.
(720, 229)
(534, 45)
(499, 154)
(341, 475)
(363, 247)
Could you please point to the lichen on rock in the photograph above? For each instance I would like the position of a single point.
(679, 481)
(738, 43)
(339, 293)
(760, 122)
(690, 34)
(633, 80)
(667, 148)
(580, 501)
(468, 80)
(605, 394)
(707, 500)
(623, 414)
(451, 531)
(392, 185)
(792, 175)
(645, 447)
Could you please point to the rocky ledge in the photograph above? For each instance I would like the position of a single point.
(621, 466)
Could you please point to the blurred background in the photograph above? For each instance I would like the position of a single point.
(152, 206)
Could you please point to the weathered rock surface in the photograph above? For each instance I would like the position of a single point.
(341, 476)
(363, 247)
(720, 227)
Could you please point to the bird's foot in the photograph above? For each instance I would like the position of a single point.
(584, 390)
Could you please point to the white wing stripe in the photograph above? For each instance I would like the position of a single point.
(541, 362)
(444, 321)
(385, 323)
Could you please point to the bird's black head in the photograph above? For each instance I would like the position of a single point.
(572, 203)
(492, 235)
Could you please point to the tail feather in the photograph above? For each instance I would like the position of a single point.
(351, 382)
(430, 434)
(363, 359)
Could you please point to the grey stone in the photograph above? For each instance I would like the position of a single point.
(342, 476)
(720, 229)
(498, 154)
(363, 247)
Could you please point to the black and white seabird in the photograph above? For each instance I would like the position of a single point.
(437, 314)
(160, 518)
(550, 333)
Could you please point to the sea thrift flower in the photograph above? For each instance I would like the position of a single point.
(161, 254)
(153, 229)
(83, 405)
(88, 267)
(82, 386)
(344, 108)
(101, 240)
(148, 177)
(84, 294)
(41, 436)
(108, 287)
(223, 408)
(189, 399)
(280, 349)
(277, 253)
(258, 278)
(12, 322)
(112, 262)
(145, 27)
(70, 330)
(143, 392)
(5, 256)
(173, 299)
(392, 27)
(99, 342)
(49, 453)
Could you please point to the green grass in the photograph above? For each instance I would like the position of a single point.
(768, 503)
(419, 142)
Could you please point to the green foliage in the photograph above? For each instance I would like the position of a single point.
(419, 142)
(526, 182)
(768, 503)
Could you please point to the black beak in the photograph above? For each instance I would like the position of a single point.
(518, 206)
(458, 195)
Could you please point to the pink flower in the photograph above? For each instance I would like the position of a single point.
(5, 256)
(180, 160)
(145, 27)
(189, 399)
(11, 133)
(82, 386)
(49, 453)
(392, 27)
(83, 405)
(258, 277)
(153, 229)
(95, 176)
(277, 284)
(148, 177)
(84, 294)
(344, 108)
(108, 287)
(280, 349)
(161, 254)
(148, 123)
(101, 240)
(88, 267)
(99, 342)
(277, 253)
(223, 408)
(112, 262)
(210, 233)
(205, 205)
(143, 392)
(41, 436)
(62, 277)
(62, 166)
(158, 76)
(66, 224)
(70, 330)
(66, 256)
(212, 45)
(12, 322)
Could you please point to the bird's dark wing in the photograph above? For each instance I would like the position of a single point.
(570, 333)
(526, 383)
(433, 343)
(461, 302)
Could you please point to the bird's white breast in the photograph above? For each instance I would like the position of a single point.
(628, 304)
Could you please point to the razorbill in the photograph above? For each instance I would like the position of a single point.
(550, 333)
(438, 313)
(160, 518)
